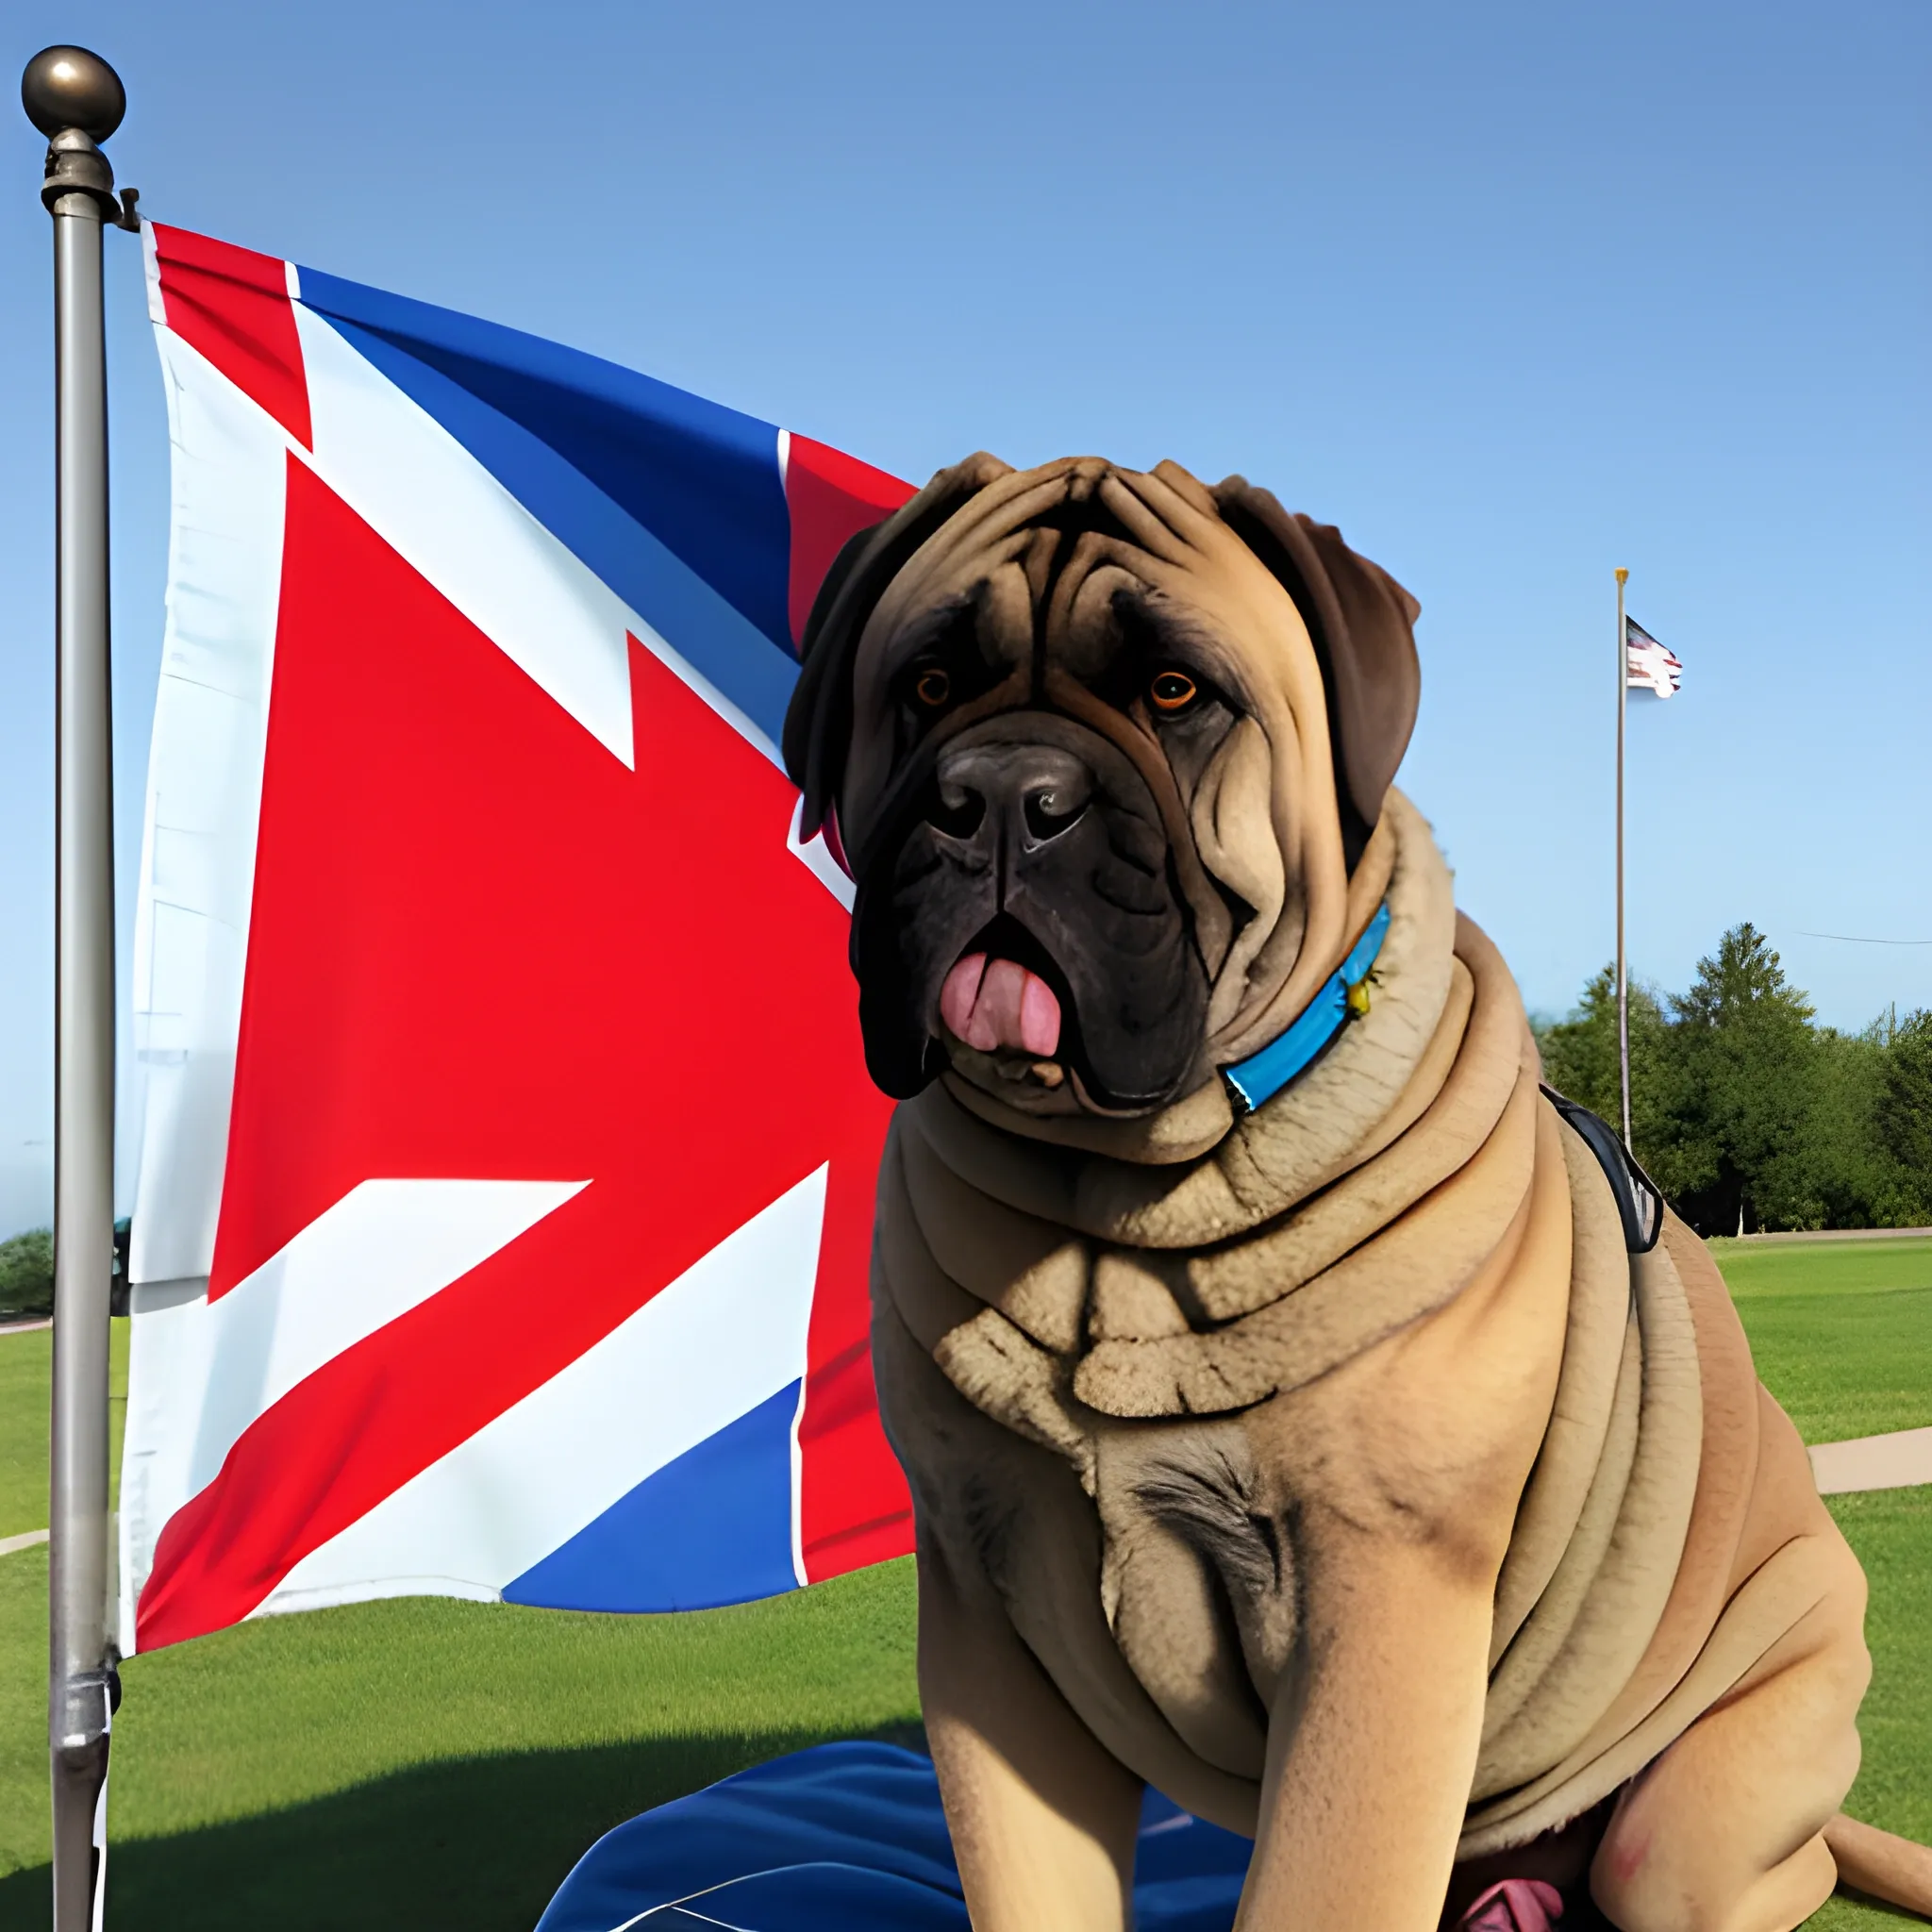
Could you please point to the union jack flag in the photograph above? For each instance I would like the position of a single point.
(507, 1154)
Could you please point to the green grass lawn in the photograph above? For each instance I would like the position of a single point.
(27, 1361)
(422, 1763)
(1841, 1330)
(1840, 1333)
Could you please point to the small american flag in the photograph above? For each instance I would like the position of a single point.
(1649, 665)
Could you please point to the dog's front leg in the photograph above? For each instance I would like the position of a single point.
(1042, 1817)
(1373, 1742)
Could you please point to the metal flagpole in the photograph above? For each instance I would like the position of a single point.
(75, 99)
(1623, 963)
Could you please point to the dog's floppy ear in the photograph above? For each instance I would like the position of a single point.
(818, 722)
(1363, 625)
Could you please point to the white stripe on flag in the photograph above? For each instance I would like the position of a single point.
(202, 1371)
(383, 1249)
(817, 860)
(728, 1334)
(228, 462)
(413, 483)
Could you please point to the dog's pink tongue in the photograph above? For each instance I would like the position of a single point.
(994, 1003)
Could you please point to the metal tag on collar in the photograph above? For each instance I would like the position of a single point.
(1256, 1080)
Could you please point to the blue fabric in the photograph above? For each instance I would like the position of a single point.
(712, 1526)
(850, 1837)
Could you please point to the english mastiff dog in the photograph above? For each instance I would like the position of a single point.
(1305, 1412)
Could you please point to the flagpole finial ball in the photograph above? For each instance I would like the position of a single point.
(69, 87)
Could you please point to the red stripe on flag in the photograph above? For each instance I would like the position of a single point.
(854, 1508)
(233, 306)
(481, 947)
(832, 497)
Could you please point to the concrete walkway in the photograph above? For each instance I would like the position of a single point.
(1897, 1461)
(24, 1540)
(1831, 1234)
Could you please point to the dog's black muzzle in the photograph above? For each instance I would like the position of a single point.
(1034, 838)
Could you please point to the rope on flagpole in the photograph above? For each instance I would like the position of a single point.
(1623, 963)
(76, 100)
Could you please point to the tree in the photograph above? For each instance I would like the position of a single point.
(1749, 1088)
(1744, 1111)
(1580, 1062)
(1854, 1175)
(1903, 1109)
(27, 1277)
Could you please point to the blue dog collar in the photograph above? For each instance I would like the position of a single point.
(1254, 1081)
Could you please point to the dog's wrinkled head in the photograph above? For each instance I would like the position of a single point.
(1100, 748)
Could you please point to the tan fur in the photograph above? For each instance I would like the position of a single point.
(1336, 1469)
(1591, 1492)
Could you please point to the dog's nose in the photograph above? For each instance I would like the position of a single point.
(1037, 791)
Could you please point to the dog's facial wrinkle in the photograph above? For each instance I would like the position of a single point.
(1081, 513)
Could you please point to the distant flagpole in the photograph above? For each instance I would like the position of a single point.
(1623, 963)
(75, 99)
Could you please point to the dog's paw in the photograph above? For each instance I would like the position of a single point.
(1516, 1905)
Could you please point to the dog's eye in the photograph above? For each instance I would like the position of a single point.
(932, 687)
(1172, 690)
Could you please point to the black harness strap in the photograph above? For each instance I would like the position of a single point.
(1639, 1202)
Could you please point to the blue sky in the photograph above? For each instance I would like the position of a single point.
(1513, 293)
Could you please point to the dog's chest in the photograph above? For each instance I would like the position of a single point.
(1199, 1580)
